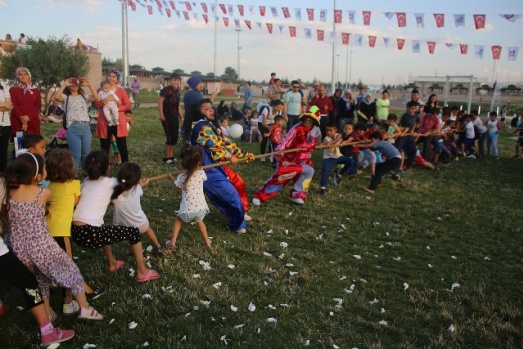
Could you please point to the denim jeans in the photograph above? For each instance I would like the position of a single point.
(79, 141)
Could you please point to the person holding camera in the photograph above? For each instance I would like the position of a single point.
(76, 104)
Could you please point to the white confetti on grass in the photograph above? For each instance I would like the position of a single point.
(350, 289)
(383, 323)
(217, 285)
(206, 303)
(430, 265)
(357, 256)
(451, 328)
(231, 266)
(272, 320)
(454, 286)
(87, 346)
(487, 258)
(224, 339)
(233, 308)
(307, 343)
(53, 346)
(110, 322)
(289, 265)
(20, 308)
(146, 344)
(397, 258)
(374, 301)
(267, 254)
(382, 310)
(132, 325)
(405, 286)
(454, 257)
(283, 244)
(270, 306)
(205, 265)
(251, 307)
(293, 273)
(147, 296)
(269, 232)
(239, 326)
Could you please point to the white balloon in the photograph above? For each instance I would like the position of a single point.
(236, 131)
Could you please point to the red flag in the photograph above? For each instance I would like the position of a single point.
(172, 5)
(338, 16)
(204, 7)
(186, 15)
(321, 34)
(402, 19)
(310, 14)
(168, 12)
(463, 48)
(248, 24)
(432, 46)
(158, 3)
(479, 21)
(366, 17)
(188, 5)
(401, 42)
(150, 9)
(440, 19)
(226, 21)
(133, 5)
(345, 38)
(205, 18)
(222, 7)
(372, 41)
(240, 9)
(496, 52)
(292, 31)
(269, 27)
(262, 11)
(286, 12)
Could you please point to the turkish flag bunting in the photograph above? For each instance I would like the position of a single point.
(432, 46)
(133, 5)
(401, 42)
(366, 17)
(292, 31)
(240, 9)
(269, 27)
(440, 19)
(158, 3)
(372, 41)
(205, 18)
(222, 7)
(479, 21)
(168, 12)
(186, 15)
(345, 38)
(321, 34)
(402, 19)
(248, 24)
(188, 5)
(172, 5)
(150, 9)
(338, 16)
(262, 11)
(496, 52)
(204, 7)
(463, 48)
(226, 21)
(286, 12)
(310, 14)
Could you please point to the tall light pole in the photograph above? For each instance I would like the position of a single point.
(333, 50)
(347, 67)
(337, 69)
(215, 34)
(125, 45)
(238, 30)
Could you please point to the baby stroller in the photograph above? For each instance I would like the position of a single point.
(59, 140)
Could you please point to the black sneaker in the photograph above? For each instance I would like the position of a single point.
(95, 294)
(322, 191)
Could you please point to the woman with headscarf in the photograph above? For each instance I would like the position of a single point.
(367, 110)
(103, 130)
(27, 104)
(223, 187)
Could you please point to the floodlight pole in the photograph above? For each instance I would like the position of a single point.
(333, 87)
(238, 30)
(125, 44)
(215, 34)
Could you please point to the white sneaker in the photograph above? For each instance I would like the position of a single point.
(241, 231)
(256, 202)
(247, 218)
(471, 156)
(297, 201)
(71, 308)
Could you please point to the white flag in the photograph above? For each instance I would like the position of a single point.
(297, 13)
(415, 46)
(459, 20)
(420, 20)
(479, 49)
(513, 53)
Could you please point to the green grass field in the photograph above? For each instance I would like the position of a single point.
(431, 261)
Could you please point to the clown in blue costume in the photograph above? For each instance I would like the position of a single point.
(223, 187)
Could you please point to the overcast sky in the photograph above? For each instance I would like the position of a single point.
(171, 43)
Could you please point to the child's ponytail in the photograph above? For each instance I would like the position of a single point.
(128, 177)
(191, 159)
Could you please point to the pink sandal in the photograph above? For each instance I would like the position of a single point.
(119, 265)
(150, 276)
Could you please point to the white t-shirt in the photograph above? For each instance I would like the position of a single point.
(77, 108)
(96, 196)
(193, 200)
(469, 130)
(332, 152)
(5, 119)
(477, 122)
(127, 208)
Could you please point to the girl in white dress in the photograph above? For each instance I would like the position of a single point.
(189, 184)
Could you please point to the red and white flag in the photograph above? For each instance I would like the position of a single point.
(402, 19)
(479, 21)
(205, 18)
(186, 15)
(286, 12)
(345, 38)
(372, 41)
(401, 43)
(150, 9)
(223, 8)
(226, 21)
(204, 7)
(248, 24)
(440, 19)
(241, 10)
(338, 16)
(496, 52)
(262, 11)
(188, 5)
(172, 5)
(158, 3)
(321, 34)
(463, 48)
(366, 17)
(269, 27)
(292, 32)
(133, 5)
(310, 14)
(168, 12)
(432, 46)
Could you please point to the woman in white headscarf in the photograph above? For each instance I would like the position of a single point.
(27, 104)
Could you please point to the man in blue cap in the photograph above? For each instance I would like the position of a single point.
(194, 96)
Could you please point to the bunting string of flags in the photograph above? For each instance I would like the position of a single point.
(339, 16)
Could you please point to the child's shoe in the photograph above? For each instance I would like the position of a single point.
(90, 314)
(56, 336)
(157, 251)
(71, 308)
(322, 191)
